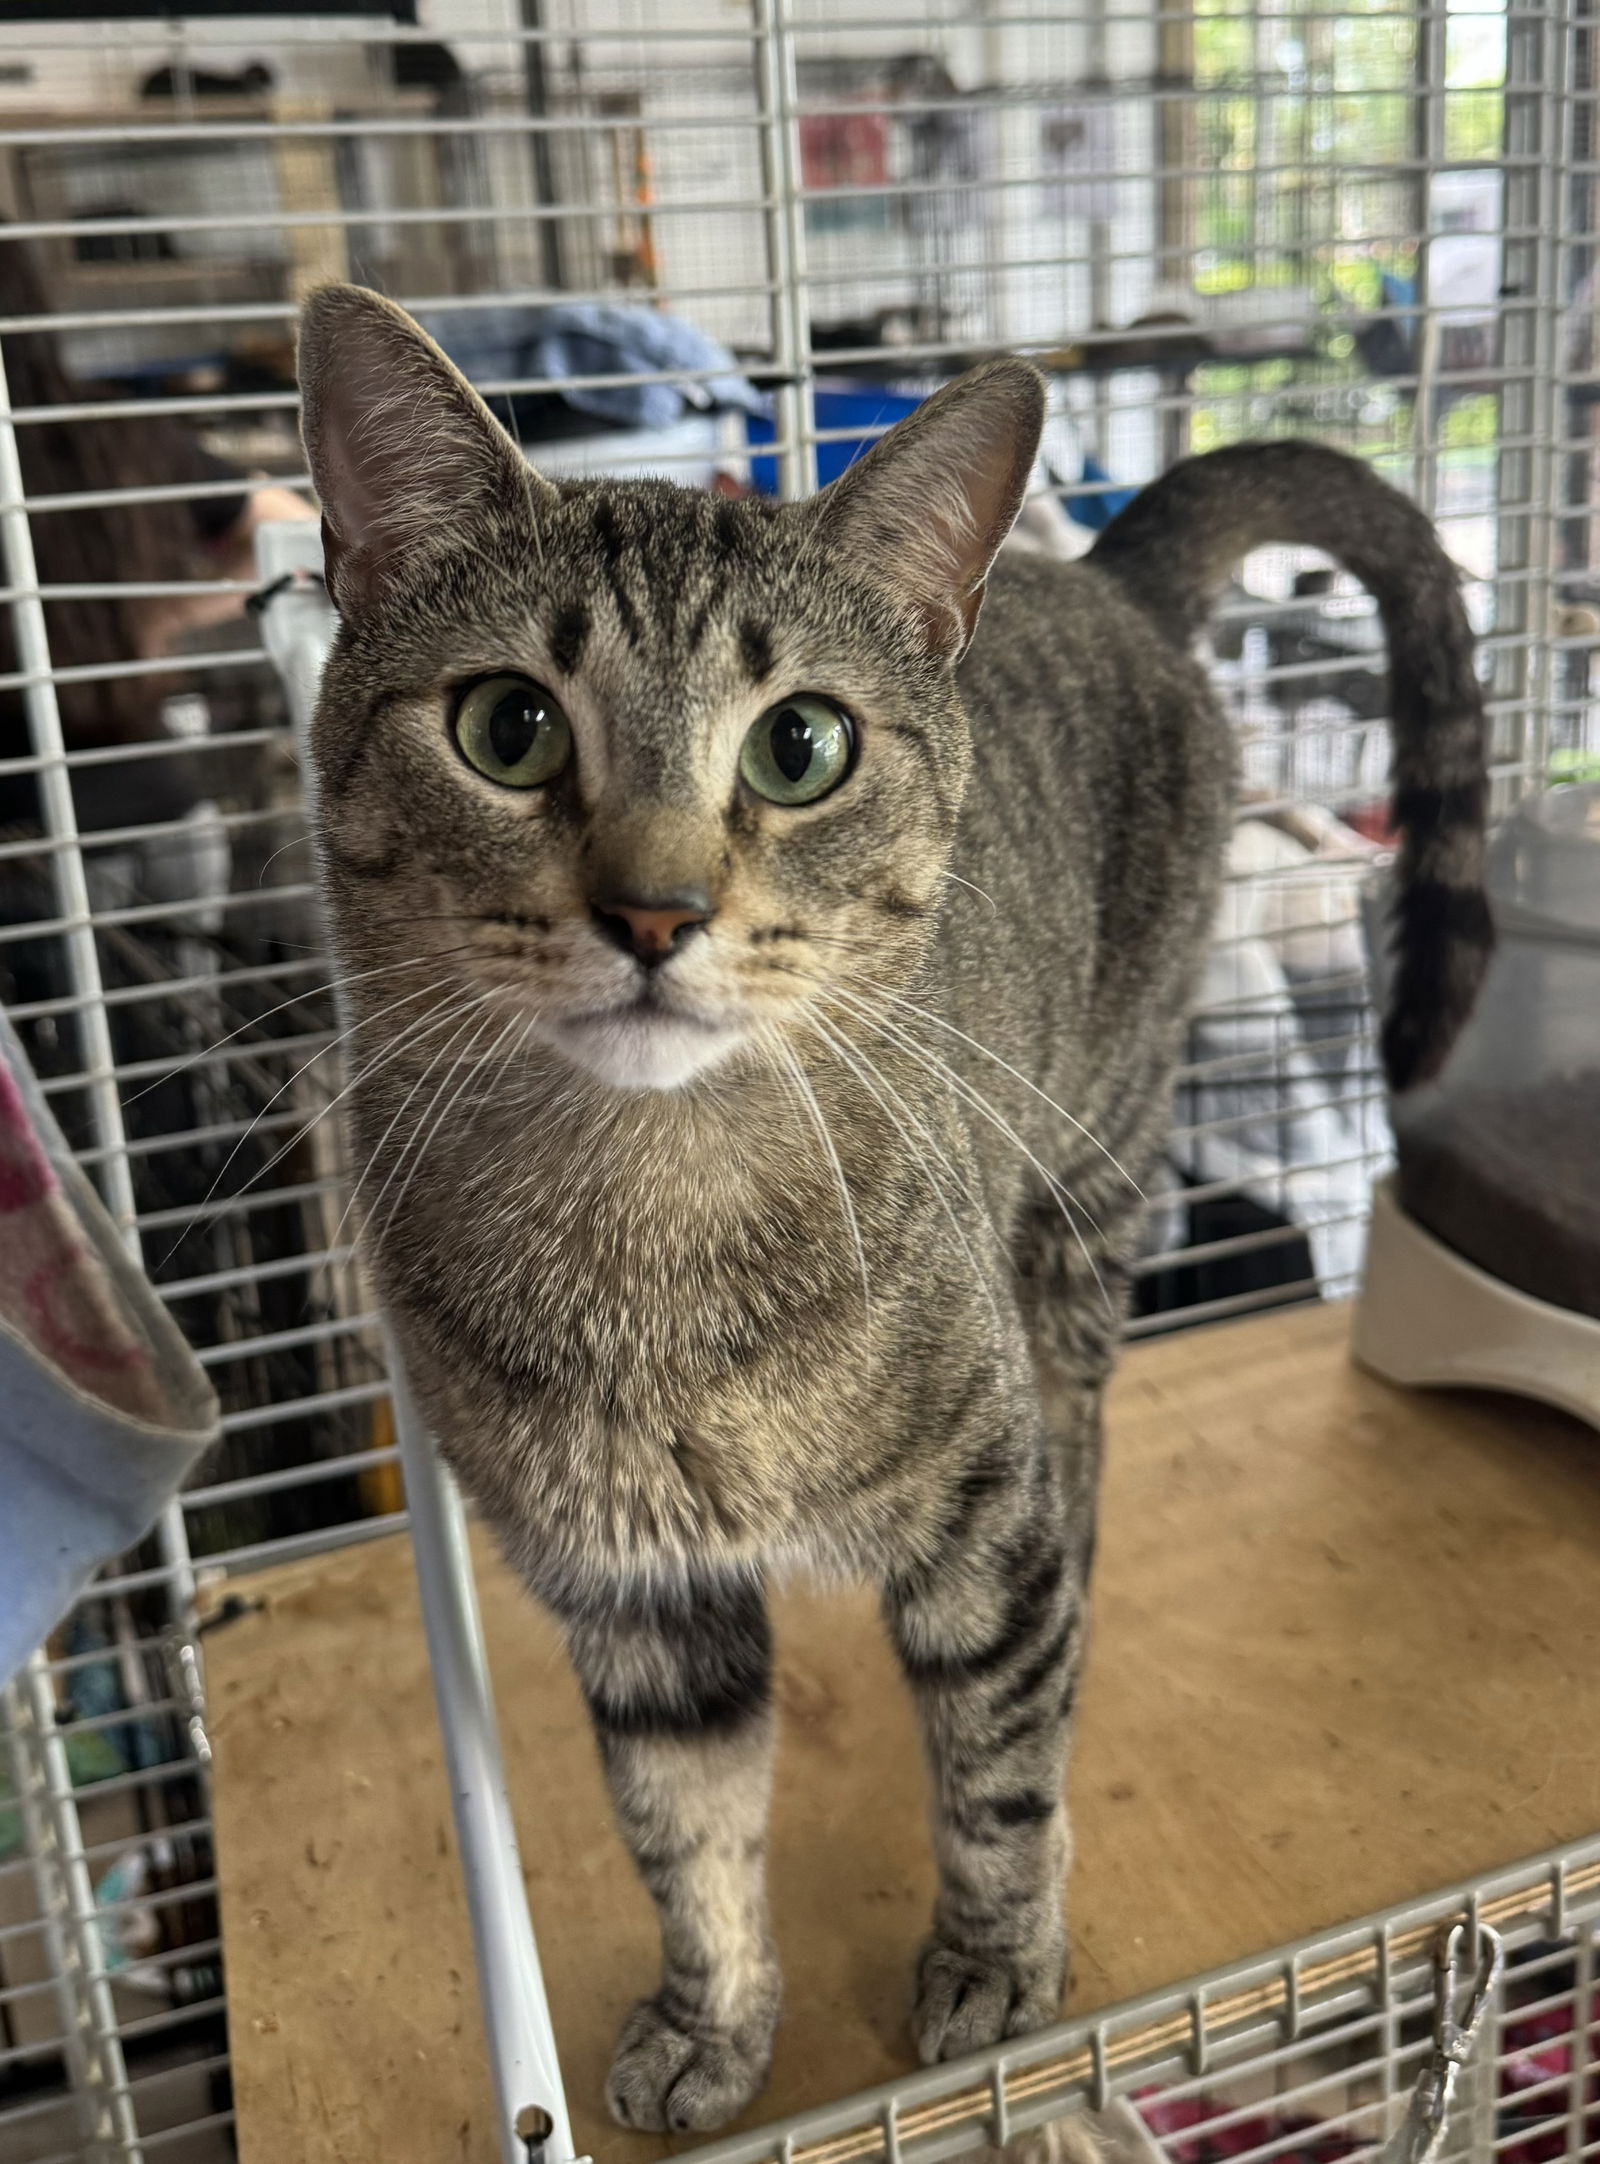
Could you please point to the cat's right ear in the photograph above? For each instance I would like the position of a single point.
(924, 511)
(402, 449)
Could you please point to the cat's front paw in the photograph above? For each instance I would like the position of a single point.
(667, 2080)
(968, 2001)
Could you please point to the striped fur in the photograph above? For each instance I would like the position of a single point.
(838, 1283)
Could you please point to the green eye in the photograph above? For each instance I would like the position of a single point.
(798, 751)
(512, 731)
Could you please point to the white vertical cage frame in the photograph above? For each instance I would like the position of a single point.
(524, 2066)
(41, 1775)
(751, 90)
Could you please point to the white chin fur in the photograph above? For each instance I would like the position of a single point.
(642, 1051)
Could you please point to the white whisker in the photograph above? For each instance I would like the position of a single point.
(299, 842)
(844, 1048)
(971, 889)
(395, 1119)
(311, 992)
(1066, 1201)
(433, 1121)
(305, 1067)
(463, 1018)
(938, 1022)
(809, 1098)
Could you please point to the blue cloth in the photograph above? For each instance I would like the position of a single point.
(79, 1481)
(583, 338)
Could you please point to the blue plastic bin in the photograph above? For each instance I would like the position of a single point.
(871, 409)
(864, 406)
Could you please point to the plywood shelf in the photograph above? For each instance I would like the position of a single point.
(1347, 1650)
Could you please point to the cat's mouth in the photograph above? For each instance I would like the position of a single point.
(652, 998)
(650, 1041)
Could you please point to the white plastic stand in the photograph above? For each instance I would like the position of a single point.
(1426, 1315)
(297, 626)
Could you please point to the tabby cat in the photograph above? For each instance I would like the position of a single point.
(768, 981)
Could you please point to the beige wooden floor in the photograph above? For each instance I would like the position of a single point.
(1347, 1650)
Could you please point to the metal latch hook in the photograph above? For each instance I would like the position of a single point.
(1416, 2139)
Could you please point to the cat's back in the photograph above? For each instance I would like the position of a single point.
(1063, 644)
(1097, 740)
(1092, 831)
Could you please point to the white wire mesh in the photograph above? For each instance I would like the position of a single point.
(1363, 220)
(1306, 2055)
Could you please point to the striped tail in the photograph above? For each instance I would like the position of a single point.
(1172, 550)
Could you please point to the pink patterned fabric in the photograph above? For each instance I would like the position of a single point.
(55, 1292)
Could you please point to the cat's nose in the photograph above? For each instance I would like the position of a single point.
(651, 929)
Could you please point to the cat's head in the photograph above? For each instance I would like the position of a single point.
(656, 768)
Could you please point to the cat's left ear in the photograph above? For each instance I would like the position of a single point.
(925, 510)
(403, 451)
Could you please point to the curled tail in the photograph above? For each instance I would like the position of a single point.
(1172, 550)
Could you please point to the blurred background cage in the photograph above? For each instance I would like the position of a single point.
(1362, 220)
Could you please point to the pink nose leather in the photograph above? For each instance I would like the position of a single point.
(653, 929)
(650, 929)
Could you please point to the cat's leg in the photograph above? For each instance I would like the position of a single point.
(991, 1629)
(679, 1689)
(990, 1633)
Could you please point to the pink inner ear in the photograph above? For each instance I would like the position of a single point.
(402, 449)
(367, 438)
(924, 512)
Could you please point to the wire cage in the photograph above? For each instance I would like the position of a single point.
(1363, 220)
(1311, 2051)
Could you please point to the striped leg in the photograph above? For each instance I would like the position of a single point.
(679, 1689)
(991, 1640)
